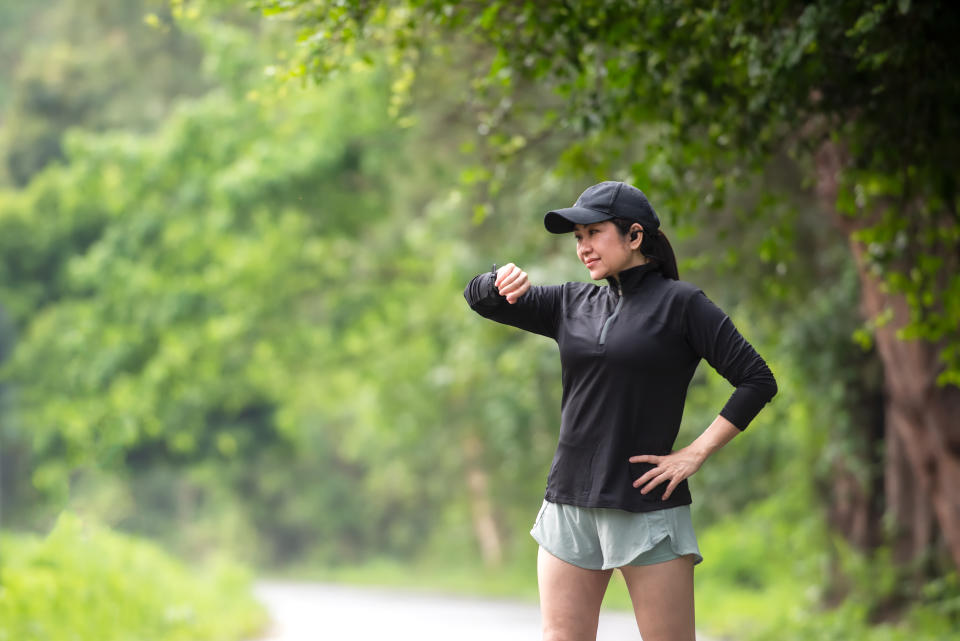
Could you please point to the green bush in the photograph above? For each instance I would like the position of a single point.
(85, 582)
(766, 569)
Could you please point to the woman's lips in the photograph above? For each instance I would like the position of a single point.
(590, 262)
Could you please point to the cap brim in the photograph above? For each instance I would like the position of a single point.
(561, 221)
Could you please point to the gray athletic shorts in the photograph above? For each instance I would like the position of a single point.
(598, 538)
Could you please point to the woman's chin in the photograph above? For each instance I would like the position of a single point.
(597, 273)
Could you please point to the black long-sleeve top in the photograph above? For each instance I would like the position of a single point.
(628, 351)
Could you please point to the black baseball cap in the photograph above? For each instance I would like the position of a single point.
(604, 201)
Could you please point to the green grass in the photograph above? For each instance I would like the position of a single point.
(84, 581)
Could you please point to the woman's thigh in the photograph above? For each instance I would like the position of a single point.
(662, 595)
(570, 598)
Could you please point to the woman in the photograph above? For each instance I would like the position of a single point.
(617, 494)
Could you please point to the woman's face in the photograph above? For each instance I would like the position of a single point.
(604, 250)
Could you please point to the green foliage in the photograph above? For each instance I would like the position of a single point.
(17, 18)
(711, 93)
(173, 284)
(83, 581)
(217, 318)
(91, 64)
(762, 578)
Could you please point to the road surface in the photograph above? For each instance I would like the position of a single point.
(321, 612)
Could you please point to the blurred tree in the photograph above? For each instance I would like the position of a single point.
(861, 93)
(98, 64)
(17, 21)
(238, 315)
(155, 283)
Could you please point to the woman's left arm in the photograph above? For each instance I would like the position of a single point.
(679, 465)
(713, 336)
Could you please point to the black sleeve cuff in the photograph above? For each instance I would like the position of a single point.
(481, 294)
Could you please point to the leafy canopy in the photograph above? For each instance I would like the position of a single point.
(703, 95)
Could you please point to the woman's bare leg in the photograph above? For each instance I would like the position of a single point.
(570, 598)
(662, 596)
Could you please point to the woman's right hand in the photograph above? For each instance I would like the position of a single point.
(511, 282)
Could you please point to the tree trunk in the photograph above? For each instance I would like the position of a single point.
(856, 488)
(484, 520)
(922, 419)
(906, 499)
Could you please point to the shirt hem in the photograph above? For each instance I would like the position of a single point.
(643, 507)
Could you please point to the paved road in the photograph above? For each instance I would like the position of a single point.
(322, 612)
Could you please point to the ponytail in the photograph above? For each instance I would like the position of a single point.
(654, 246)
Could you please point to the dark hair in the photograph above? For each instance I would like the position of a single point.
(654, 246)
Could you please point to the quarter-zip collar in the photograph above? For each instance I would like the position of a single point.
(630, 279)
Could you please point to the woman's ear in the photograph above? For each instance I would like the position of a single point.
(635, 231)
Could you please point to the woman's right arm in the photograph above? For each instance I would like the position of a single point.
(506, 296)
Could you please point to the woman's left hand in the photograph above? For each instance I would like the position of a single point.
(673, 467)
